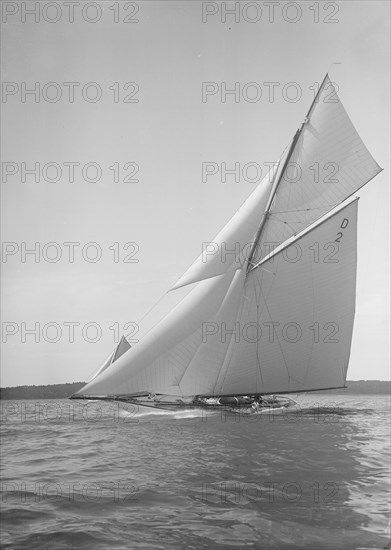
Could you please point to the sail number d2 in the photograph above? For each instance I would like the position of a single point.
(344, 224)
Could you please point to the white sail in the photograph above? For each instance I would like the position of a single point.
(295, 322)
(106, 363)
(123, 346)
(328, 164)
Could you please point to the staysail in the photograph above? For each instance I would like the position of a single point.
(123, 345)
(158, 362)
(282, 322)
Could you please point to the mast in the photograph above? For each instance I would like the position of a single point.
(278, 181)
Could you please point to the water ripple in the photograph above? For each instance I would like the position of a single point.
(101, 477)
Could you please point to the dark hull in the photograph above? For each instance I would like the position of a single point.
(232, 404)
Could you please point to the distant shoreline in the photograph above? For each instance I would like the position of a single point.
(51, 391)
(62, 391)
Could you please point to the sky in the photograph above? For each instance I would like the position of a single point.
(135, 135)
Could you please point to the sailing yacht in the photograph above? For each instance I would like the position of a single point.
(275, 317)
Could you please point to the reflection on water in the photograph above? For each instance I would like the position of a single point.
(97, 476)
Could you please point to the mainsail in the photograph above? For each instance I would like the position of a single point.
(277, 315)
(295, 320)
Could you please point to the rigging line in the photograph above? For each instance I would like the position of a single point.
(231, 287)
(278, 340)
(281, 175)
(276, 260)
(290, 224)
(225, 363)
(313, 225)
(284, 238)
(254, 248)
(257, 343)
(313, 320)
(180, 377)
(293, 148)
(153, 307)
(251, 264)
(195, 259)
(302, 209)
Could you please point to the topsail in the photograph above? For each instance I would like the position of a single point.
(329, 163)
(277, 316)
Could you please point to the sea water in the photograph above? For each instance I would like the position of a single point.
(99, 476)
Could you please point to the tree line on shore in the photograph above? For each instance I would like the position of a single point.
(51, 391)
